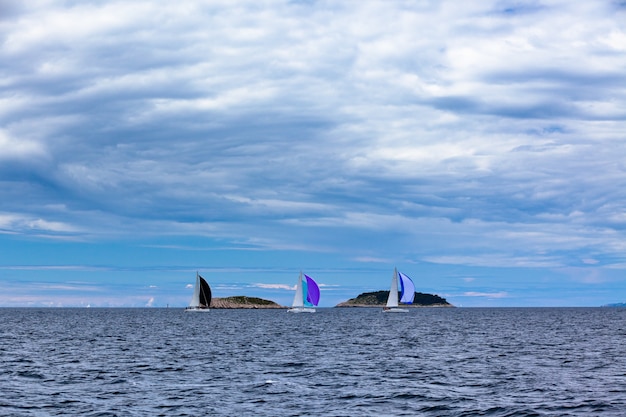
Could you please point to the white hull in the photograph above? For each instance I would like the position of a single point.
(196, 310)
(395, 310)
(301, 310)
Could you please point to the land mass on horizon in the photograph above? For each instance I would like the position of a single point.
(379, 299)
(242, 301)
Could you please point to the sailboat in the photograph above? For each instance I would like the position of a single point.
(201, 299)
(307, 295)
(407, 292)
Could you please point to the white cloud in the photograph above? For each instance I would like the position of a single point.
(14, 148)
(370, 259)
(501, 294)
(19, 223)
(466, 135)
(274, 286)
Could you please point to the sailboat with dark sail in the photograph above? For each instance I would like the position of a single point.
(201, 299)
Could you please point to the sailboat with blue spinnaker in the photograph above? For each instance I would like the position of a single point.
(402, 284)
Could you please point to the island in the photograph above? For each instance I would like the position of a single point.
(379, 299)
(615, 305)
(241, 301)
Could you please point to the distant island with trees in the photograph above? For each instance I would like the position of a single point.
(241, 301)
(379, 299)
(366, 299)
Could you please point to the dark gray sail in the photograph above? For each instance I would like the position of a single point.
(205, 293)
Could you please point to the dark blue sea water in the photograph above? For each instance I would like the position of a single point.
(336, 362)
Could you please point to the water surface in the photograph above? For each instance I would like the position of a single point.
(336, 362)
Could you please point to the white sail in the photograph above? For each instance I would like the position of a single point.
(298, 299)
(195, 298)
(392, 300)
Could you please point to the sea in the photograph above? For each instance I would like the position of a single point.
(335, 362)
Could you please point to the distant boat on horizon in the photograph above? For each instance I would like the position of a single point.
(407, 293)
(307, 295)
(201, 299)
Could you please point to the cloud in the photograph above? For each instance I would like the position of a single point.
(55, 267)
(275, 286)
(498, 260)
(368, 259)
(11, 148)
(501, 294)
(438, 133)
(70, 287)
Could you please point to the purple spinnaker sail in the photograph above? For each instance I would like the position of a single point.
(313, 291)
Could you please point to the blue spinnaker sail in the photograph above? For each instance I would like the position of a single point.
(312, 291)
(305, 296)
(407, 289)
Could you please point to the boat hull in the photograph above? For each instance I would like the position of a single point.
(196, 309)
(301, 310)
(395, 310)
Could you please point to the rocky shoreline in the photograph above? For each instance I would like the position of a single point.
(243, 302)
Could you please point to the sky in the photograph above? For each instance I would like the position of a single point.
(479, 147)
